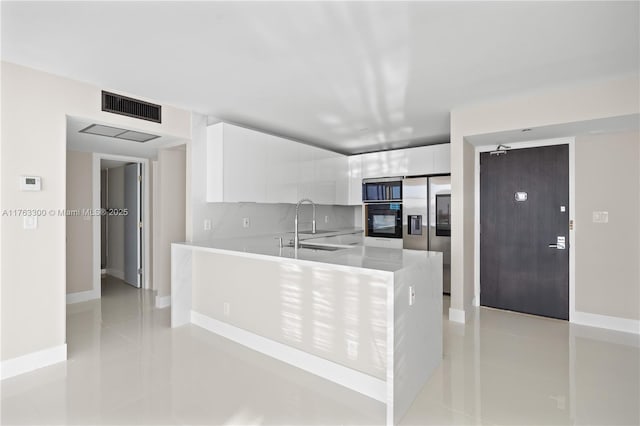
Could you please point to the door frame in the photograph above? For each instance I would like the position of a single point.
(572, 238)
(95, 205)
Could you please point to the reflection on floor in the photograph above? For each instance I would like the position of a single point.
(126, 366)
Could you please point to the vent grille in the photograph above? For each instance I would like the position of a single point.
(123, 105)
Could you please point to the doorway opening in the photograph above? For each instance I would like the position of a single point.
(121, 207)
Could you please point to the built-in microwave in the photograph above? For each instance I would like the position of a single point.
(382, 190)
(384, 220)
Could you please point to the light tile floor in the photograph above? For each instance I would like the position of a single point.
(126, 366)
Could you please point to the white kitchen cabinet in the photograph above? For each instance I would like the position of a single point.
(282, 170)
(248, 166)
(245, 168)
(419, 160)
(341, 167)
(355, 180)
(322, 175)
(384, 164)
(442, 158)
(324, 179)
(424, 160)
(305, 172)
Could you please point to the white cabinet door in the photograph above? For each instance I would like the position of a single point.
(384, 164)
(355, 180)
(245, 168)
(442, 158)
(372, 165)
(420, 160)
(306, 171)
(341, 168)
(248, 166)
(324, 177)
(282, 170)
(215, 164)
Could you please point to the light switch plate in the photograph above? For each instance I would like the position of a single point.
(207, 225)
(30, 222)
(245, 222)
(600, 217)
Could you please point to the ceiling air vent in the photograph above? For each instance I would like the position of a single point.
(123, 105)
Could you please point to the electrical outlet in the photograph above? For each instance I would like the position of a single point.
(326, 219)
(412, 295)
(227, 309)
(245, 222)
(207, 225)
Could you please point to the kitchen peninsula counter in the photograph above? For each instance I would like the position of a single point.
(368, 318)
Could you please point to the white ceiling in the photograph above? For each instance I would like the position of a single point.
(87, 142)
(349, 76)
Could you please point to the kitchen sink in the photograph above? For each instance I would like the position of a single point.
(321, 246)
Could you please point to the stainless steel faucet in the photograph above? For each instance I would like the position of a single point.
(296, 238)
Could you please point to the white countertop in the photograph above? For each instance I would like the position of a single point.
(358, 256)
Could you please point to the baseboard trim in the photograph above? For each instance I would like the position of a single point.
(360, 382)
(116, 273)
(82, 296)
(163, 302)
(604, 321)
(457, 315)
(32, 361)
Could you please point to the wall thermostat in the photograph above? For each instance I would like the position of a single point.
(30, 183)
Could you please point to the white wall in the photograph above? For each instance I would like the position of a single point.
(226, 218)
(34, 143)
(79, 228)
(115, 233)
(608, 98)
(170, 215)
(608, 254)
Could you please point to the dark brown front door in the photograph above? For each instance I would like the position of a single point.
(524, 208)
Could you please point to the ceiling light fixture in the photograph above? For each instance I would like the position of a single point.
(116, 132)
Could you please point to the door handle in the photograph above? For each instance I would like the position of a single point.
(560, 243)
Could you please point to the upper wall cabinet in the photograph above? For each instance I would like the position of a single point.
(424, 160)
(384, 164)
(355, 180)
(248, 166)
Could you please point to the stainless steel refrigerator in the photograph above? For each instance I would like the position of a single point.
(426, 222)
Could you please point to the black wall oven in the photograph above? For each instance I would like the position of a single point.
(384, 220)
